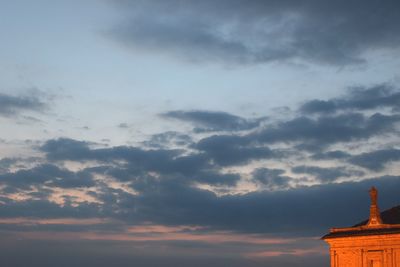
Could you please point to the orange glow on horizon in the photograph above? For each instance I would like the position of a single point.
(294, 252)
(143, 233)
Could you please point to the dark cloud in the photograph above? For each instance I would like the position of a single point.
(161, 160)
(339, 32)
(379, 96)
(302, 133)
(43, 208)
(140, 159)
(65, 148)
(321, 106)
(171, 200)
(13, 105)
(187, 171)
(227, 150)
(214, 121)
(47, 174)
(19, 163)
(214, 178)
(377, 159)
(301, 211)
(326, 130)
(326, 174)
(212, 152)
(195, 167)
(168, 139)
(272, 178)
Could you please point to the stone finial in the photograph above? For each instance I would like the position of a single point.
(373, 193)
(374, 214)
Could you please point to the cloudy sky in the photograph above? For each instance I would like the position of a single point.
(193, 133)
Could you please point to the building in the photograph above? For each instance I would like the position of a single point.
(372, 243)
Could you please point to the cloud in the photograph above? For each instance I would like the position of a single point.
(168, 139)
(45, 209)
(214, 178)
(326, 130)
(215, 150)
(239, 31)
(195, 167)
(227, 150)
(197, 184)
(272, 179)
(162, 160)
(166, 192)
(65, 148)
(70, 149)
(302, 211)
(11, 106)
(47, 174)
(376, 160)
(336, 154)
(302, 133)
(379, 96)
(6, 163)
(206, 121)
(326, 175)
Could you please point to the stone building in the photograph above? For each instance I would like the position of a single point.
(372, 243)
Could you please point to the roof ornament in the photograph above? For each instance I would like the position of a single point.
(374, 214)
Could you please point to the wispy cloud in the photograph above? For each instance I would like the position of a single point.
(12, 106)
(208, 121)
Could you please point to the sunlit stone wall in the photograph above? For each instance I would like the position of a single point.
(365, 251)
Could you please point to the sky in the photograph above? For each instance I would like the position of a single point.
(193, 133)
